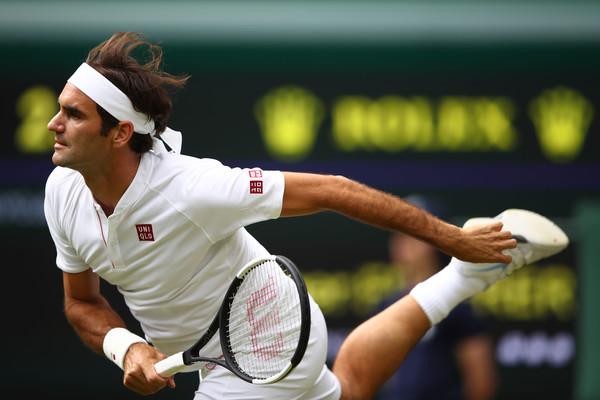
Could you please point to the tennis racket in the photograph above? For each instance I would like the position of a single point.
(263, 323)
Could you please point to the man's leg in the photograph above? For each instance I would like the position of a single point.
(377, 347)
(374, 350)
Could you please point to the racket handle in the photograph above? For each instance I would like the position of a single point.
(170, 365)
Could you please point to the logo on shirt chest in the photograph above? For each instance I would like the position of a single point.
(144, 232)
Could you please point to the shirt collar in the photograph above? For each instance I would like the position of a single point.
(138, 184)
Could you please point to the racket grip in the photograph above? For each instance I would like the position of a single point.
(170, 365)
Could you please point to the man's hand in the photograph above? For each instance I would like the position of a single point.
(140, 375)
(482, 244)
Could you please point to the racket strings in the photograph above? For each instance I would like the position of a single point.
(264, 321)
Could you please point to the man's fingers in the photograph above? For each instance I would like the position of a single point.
(143, 386)
(512, 243)
(505, 258)
(140, 374)
(171, 382)
(496, 225)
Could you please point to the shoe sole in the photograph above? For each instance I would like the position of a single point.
(530, 227)
(534, 228)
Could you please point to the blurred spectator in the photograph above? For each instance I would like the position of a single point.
(455, 359)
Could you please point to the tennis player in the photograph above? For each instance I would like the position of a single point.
(168, 231)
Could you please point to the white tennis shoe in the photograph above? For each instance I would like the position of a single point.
(537, 237)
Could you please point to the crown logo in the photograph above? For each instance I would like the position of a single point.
(561, 117)
(289, 118)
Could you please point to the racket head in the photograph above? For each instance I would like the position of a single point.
(264, 322)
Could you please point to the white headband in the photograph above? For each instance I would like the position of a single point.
(102, 91)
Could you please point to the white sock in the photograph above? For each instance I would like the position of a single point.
(439, 294)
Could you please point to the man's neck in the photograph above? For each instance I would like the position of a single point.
(109, 184)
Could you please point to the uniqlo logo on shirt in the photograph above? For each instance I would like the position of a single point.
(256, 187)
(144, 232)
(255, 173)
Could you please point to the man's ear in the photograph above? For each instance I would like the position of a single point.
(122, 133)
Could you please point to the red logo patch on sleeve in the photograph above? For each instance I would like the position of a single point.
(255, 173)
(144, 232)
(256, 187)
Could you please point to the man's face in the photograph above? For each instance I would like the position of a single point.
(76, 128)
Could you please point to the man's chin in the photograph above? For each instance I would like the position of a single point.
(58, 160)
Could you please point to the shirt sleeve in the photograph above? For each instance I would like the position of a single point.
(67, 258)
(222, 200)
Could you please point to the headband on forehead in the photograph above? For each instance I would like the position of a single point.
(102, 91)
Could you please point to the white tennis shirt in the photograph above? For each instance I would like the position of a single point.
(174, 242)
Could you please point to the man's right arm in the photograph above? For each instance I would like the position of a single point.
(87, 310)
(92, 317)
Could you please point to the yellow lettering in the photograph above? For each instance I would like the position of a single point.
(395, 124)
(35, 107)
(372, 283)
(532, 293)
(494, 119)
(454, 124)
(330, 290)
(359, 291)
(350, 123)
(419, 124)
(560, 291)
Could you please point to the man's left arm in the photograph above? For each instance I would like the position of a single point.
(311, 193)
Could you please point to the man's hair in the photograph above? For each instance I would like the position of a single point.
(143, 81)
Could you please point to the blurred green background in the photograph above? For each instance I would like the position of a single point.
(482, 105)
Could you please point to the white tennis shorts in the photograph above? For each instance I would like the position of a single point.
(310, 380)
